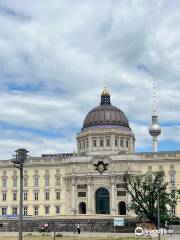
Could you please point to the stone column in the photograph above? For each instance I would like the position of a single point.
(89, 209)
(73, 192)
(112, 196)
(90, 144)
(112, 142)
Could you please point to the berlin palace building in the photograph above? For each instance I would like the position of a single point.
(88, 183)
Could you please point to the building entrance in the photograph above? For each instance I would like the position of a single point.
(102, 201)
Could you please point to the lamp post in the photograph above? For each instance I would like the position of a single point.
(158, 212)
(21, 156)
(74, 211)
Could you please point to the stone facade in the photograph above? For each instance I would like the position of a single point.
(87, 184)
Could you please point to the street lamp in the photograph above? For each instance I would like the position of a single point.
(74, 211)
(21, 156)
(158, 210)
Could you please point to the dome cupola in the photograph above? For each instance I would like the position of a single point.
(105, 130)
(105, 114)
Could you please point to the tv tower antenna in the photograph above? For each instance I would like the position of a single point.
(155, 129)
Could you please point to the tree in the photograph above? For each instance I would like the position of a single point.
(143, 190)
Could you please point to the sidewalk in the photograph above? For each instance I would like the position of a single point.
(91, 234)
(83, 234)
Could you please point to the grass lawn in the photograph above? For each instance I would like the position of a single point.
(65, 238)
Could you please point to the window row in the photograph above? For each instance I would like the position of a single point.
(14, 210)
(172, 177)
(36, 182)
(104, 142)
(46, 210)
(161, 168)
(36, 172)
(35, 197)
(118, 193)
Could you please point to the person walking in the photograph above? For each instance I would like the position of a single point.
(78, 229)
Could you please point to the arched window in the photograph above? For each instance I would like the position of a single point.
(82, 208)
(122, 208)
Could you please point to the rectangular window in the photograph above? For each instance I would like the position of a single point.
(172, 178)
(160, 168)
(36, 210)
(46, 209)
(4, 211)
(107, 142)
(58, 181)
(121, 142)
(57, 209)
(25, 196)
(36, 196)
(101, 142)
(25, 211)
(58, 196)
(81, 186)
(127, 143)
(25, 182)
(4, 182)
(149, 177)
(14, 211)
(36, 181)
(94, 142)
(121, 193)
(14, 182)
(173, 193)
(4, 196)
(172, 166)
(14, 196)
(149, 168)
(81, 194)
(46, 181)
(173, 210)
(120, 185)
(116, 142)
(46, 196)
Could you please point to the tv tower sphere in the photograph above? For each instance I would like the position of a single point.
(155, 129)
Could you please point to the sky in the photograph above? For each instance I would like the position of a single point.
(56, 55)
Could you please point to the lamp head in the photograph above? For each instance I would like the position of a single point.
(21, 156)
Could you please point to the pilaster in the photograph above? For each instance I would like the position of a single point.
(112, 195)
(89, 207)
(73, 192)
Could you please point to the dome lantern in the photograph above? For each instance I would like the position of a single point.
(105, 97)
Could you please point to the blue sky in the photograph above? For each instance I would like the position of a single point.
(56, 57)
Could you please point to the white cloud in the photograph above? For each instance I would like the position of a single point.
(57, 56)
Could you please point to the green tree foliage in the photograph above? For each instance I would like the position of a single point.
(143, 190)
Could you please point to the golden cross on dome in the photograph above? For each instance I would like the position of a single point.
(105, 91)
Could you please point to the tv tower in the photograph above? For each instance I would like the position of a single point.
(154, 129)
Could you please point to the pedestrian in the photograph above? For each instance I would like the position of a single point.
(46, 227)
(78, 229)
